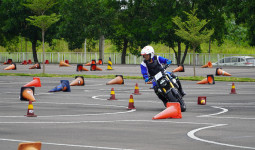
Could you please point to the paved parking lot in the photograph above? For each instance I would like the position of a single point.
(85, 119)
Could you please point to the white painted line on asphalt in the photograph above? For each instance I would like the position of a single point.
(112, 121)
(77, 115)
(67, 145)
(102, 99)
(224, 110)
(191, 134)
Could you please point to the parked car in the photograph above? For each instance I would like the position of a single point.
(236, 61)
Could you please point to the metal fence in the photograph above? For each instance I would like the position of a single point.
(80, 57)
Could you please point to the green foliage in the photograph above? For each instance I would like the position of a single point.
(43, 21)
(39, 7)
(193, 29)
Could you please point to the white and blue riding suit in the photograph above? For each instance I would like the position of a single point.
(153, 68)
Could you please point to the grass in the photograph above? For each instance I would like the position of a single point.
(229, 47)
(197, 78)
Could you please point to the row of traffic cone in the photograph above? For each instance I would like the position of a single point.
(13, 67)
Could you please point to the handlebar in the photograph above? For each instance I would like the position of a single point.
(164, 68)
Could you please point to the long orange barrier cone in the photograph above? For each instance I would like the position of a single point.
(30, 146)
(36, 82)
(27, 94)
(131, 103)
(209, 80)
(201, 100)
(81, 68)
(118, 80)
(219, 72)
(11, 67)
(112, 97)
(35, 66)
(173, 110)
(179, 69)
(79, 81)
(136, 92)
(208, 65)
(88, 64)
(30, 110)
(63, 64)
(233, 89)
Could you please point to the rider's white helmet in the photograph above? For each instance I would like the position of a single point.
(148, 50)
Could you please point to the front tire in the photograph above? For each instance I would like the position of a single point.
(174, 96)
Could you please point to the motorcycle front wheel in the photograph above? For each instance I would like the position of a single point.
(174, 97)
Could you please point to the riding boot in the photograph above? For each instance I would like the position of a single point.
(180, 87)
(179, 84)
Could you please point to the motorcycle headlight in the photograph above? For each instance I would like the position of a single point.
(163, 82)
(174, 80)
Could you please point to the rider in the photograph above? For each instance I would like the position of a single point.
(152, 64)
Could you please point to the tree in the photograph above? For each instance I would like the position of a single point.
(132, 27)
(193, 31)
(244, 14)
(42, 21)
(13, 24)
(90, 19)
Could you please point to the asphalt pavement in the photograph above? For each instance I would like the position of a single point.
(85, 119)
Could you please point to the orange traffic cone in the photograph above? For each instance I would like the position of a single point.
(63, 64)
(219, 71)
(27, 94)
(179, 69)
(30, 110)
(9, 61)
(81, 68)
(93, 67)
(131, 103)
(148, 82)
(209, 80)
(201, 100)
(233, 89)
(35, 66)
(173, 110)
(30, 146)
(136, 92)
(66, 61)
(112, 97)
(24, 62)
(36, 82)
(11, 67)
(79, 81)
(100, 62)
(208, 65)
(118, 80)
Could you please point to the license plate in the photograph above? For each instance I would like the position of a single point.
(158, 75)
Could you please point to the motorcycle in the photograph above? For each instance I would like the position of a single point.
(167, 88)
